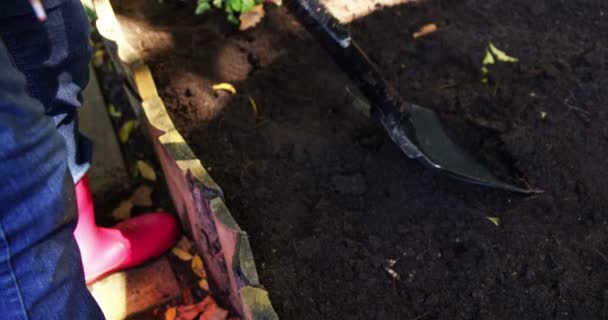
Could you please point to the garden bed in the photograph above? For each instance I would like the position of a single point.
(341, 224)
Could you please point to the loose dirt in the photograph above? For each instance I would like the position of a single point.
(342, 225)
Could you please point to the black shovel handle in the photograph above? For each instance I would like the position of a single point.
(336, 39)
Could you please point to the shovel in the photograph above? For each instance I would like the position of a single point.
(416, 130)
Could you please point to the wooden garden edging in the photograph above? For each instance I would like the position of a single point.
(198, 200)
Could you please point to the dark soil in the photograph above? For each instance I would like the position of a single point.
(342, 225)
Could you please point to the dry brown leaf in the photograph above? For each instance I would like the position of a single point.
(425, 30)
(197, 267)
(184, 244)
(171, 313)
(123, 211)
(190, 312)
(181, 254)
(142, 196)
(252, 17)
(214, 312)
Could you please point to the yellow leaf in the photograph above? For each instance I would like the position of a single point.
(98, 57)
(425, 30)
(125, 131)
(254, 105)
(252, 17)
(494, 220)
(197, 267)
(146, 170)
(225, 86)
(114, 113)
(181, 254)
(171, 313)
(204, 284)
(501, 55)
(488, 59)
(123, 211)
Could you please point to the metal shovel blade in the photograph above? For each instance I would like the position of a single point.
(420, 135)
(415, 129)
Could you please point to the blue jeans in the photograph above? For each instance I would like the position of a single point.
(41, 154)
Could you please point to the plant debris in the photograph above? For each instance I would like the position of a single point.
(225, 87)
(251, 18)
(146, 170)
(425, 30)
(494, 220)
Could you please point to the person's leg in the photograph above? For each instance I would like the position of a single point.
(54, 56)
(40, 272)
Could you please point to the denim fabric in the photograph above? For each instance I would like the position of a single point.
(19, 7)
(54, 57)
(41, 275)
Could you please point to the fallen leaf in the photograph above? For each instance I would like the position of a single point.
(197, 267)
(125, 131)
(171, 313)
(214, 312)
(225, 86)
(189, 312)
(494, 220)
(123, 211)
(142, 196)
(204, 284)
(488, 59)
(98, 57)
(501, 55)
(425, 30)
(252, 17)
(181, 254)
(114, 113)
(146, 170)
(254, 105)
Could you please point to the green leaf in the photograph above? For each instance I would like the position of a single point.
(91, 14)
(202, 6)
(488, 59)
(494, 220)
(234, 5)
(115, 113)
(501, 55)
(218, 3)
(232, 18)
(247, 5)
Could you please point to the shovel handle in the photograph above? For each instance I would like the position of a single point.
(336, 39)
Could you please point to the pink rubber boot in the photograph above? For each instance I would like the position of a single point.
(128, 244)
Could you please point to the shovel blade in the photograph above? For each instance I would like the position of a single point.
(420, 135)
